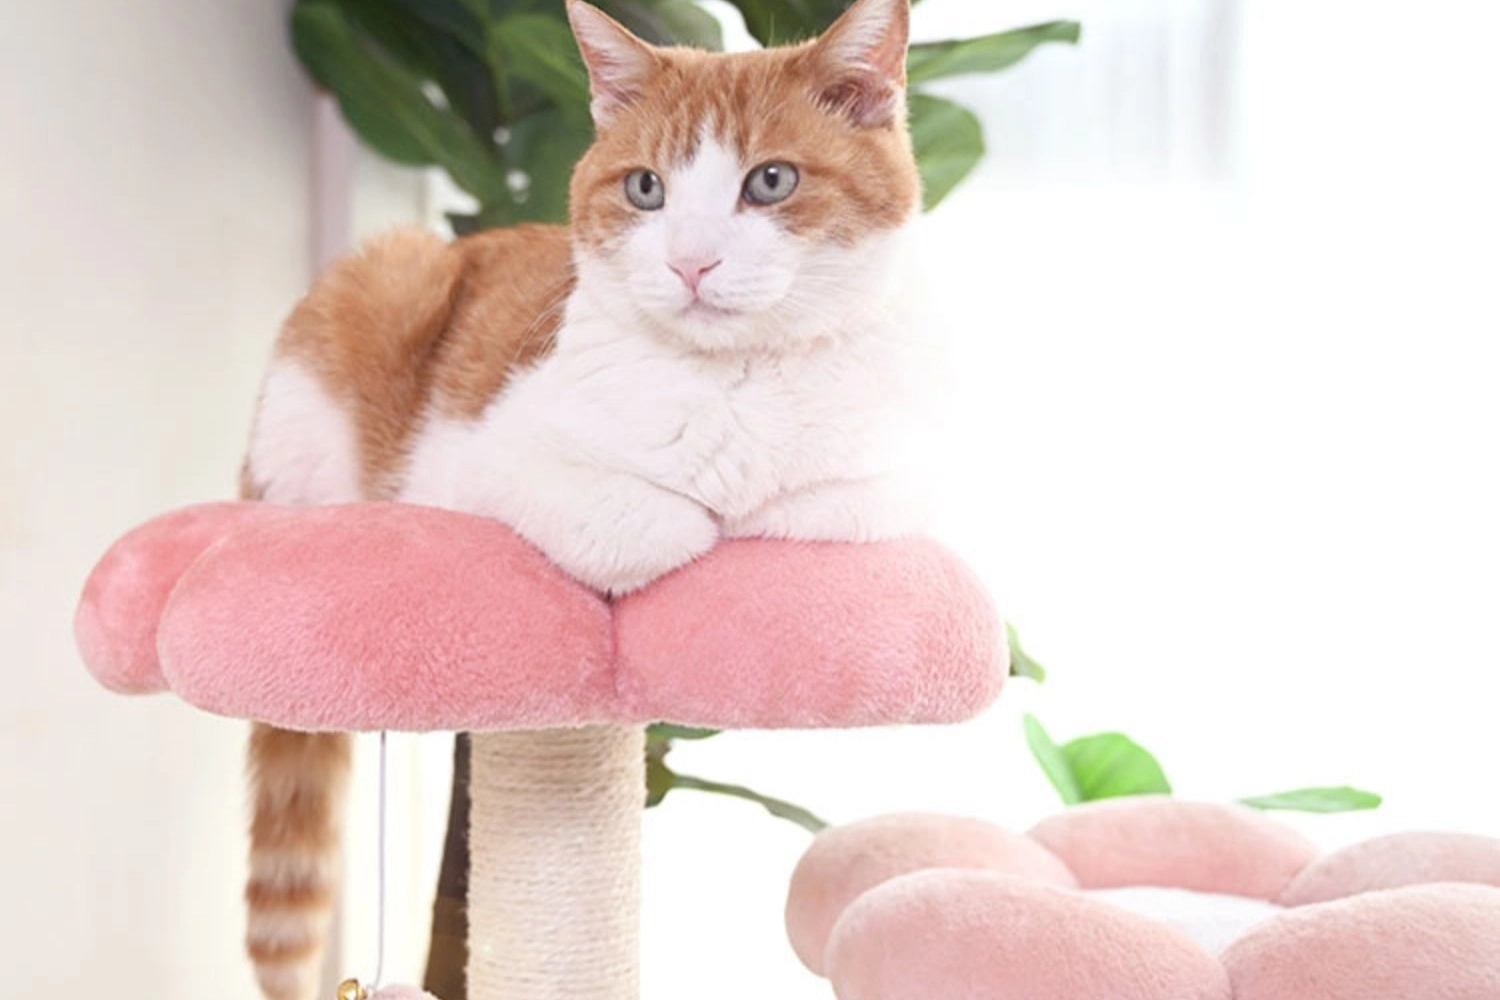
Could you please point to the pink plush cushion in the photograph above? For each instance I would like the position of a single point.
(390, 616)
(1168, 842)
(829, 634)
(123, 600)
(984, 936)
(379, 616)
(953, 931)
(1435, 942)
(1399, 860)
(845, 862)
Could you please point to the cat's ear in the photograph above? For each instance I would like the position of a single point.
(862, 60)
(619, 63)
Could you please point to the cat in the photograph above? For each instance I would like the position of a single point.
(712, 350)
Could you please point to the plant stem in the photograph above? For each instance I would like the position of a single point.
(776, 807)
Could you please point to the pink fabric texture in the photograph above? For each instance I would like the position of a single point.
(902, 908)
(830, 633)
(848, 861)
(123, 600)
(1167, 842)
(1399, 860)
(1435, 942)
(982, 935)
(387, 616)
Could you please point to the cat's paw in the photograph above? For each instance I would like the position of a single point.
(623, 533)
(857, 511)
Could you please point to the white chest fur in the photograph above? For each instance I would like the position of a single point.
(619, 433)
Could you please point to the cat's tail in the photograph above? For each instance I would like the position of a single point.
(297, 782)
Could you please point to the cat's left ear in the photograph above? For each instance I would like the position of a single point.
(863, 56)
(619, 63)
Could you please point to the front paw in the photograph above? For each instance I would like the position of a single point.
(631, 538)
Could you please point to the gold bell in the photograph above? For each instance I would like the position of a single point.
(350, 989)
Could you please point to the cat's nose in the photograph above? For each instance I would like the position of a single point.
(692, 271)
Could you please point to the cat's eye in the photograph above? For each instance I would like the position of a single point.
(645, 190)
(771, 183)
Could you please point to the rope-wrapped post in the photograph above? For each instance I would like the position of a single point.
(555, 874)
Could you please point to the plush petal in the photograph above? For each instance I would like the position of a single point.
(964, 934)
(391, 616)
(1156, 841)
(1395, 861)
(384, 616)
(775, 634)
(1437, 942)
(117, 617)
(845, 862)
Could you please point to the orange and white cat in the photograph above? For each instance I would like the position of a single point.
(712, 350)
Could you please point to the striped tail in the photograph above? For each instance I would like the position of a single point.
(298, 783)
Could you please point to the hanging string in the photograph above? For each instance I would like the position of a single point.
(380, 878)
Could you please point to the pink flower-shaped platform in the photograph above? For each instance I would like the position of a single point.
(388, 616)
(915, 907)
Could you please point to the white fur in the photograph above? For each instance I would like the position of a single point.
(303, 446)
(658, 426)
(1212, 921)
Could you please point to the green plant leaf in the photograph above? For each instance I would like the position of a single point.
(1053, 761)
(454, 18)
(543, 147)
(660, 780)
(1091, 768)
(949, 143)
(670, 731)
(777, 22)
(1022, 665)
(1317, 800)
(463, 75)
(985, 54)
(1112, 765)
(384, 102)
(669, 22)
(541, 50)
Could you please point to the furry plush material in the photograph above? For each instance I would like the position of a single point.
(950, 934)
(1167, 842)
(389, 616)
(811, 635)
(123, 600)
(1434, 942)
(1394, 862)
(912, 907)
(848, 861)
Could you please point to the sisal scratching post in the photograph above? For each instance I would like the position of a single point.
(555, 874)
(390, 617)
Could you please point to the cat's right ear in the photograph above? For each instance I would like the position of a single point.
(619, 63)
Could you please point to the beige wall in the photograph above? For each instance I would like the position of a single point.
(153, 207)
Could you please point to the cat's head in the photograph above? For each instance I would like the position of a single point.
(745, 201)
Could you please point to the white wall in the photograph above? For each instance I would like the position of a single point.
(153, 206)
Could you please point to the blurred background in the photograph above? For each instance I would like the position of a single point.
(1221, 302)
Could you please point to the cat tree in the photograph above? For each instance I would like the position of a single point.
(390, 617)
